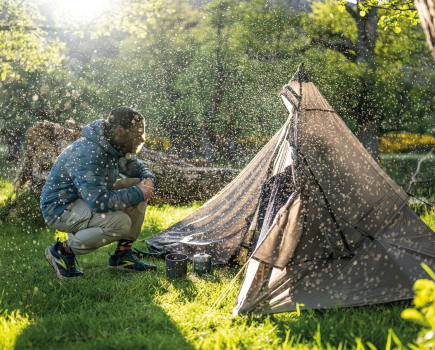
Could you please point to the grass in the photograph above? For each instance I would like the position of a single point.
(110, 310)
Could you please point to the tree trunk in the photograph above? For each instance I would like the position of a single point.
(183, 180)
(365, 113)
(173, 123)
(426, 12)
(206, 145)
(367, 33)
(361, 53)
(208, 138)
(368, 136)
(14, 145)
(367, 121)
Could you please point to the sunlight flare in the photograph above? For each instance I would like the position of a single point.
(82, 9)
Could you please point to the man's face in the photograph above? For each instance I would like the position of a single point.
(133, 138)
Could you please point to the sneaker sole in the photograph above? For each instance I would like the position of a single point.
(52, 262)
(120, 268)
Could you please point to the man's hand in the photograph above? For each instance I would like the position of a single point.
(148, 182)
(147, 187)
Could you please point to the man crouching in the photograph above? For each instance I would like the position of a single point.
(83, 196)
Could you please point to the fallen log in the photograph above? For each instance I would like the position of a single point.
(45, 142)
(180, 180)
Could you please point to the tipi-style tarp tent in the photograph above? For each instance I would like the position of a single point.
(328, 225)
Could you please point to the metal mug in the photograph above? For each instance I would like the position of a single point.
(176, 265)
(202, 263)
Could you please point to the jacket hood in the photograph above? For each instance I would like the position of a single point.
(95, 133)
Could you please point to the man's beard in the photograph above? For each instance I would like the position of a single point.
(126, 145)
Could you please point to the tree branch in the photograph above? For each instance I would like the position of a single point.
(395, 8)
(5, 60)
(401, 167)
(414, 177)
(10, 28)
(353, 13)
(349, 42)
(339, 46)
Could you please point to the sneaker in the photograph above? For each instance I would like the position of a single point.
(63, 264)
(127, 261)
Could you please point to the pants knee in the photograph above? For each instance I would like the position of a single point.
(124, 225)
(118, 226)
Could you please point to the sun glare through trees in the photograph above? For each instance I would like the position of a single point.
(80, 10)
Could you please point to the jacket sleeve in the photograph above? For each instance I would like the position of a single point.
(87, 173)
(135, 168)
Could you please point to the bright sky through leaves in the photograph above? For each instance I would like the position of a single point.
(84, 9)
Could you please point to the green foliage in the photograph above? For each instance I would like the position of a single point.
(34, 84)
(401, 90)
(163, 59)
(22, 42)
(399, 13)
(391, 51)
(328, 22)
(425, 211)
(424, 311)
(22, 210)
(407, 102)
(6, 188)
(38, 96)
(142, 73)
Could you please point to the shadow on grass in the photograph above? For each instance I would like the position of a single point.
(103, 310)
(114, 310)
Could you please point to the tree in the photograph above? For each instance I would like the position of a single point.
(360, 51)
(23, 50)
(22, 43)
(404, 12)
(220, 19)
(144, 71)
(230, 89)
(210, 76)
(38, 96)
(358, 39)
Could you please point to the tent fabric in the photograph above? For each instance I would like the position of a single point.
(220, 225)
(360, 242)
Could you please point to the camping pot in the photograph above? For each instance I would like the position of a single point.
(176, 265)
(202, 263)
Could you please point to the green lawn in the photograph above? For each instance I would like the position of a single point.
(113, 310)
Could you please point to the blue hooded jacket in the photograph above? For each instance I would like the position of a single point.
(88, 168)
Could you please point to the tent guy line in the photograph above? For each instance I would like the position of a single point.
(422, 201)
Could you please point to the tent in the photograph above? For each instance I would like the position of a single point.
(320, 221)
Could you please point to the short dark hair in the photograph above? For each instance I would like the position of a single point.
(124, 116)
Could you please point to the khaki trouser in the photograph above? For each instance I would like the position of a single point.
(88, 230)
